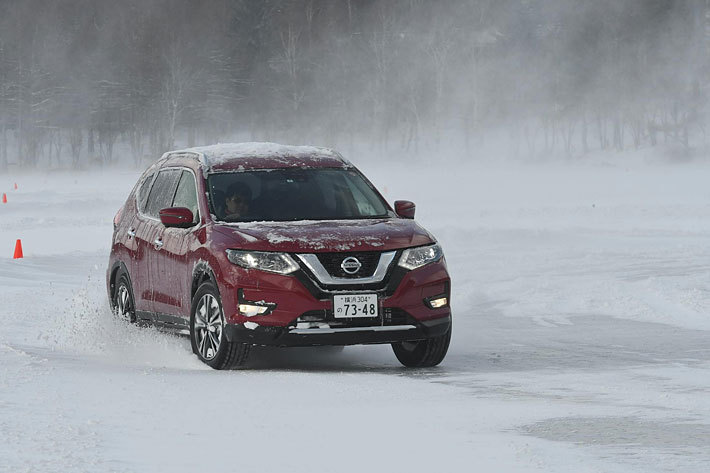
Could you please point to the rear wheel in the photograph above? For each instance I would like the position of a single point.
(123, 304)
(207, 324)
(423, 353)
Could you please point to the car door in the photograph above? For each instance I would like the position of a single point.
(150, 239)
(137, 263)
(171, 274)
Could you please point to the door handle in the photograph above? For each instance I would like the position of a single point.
(158, 243)
(131, 232)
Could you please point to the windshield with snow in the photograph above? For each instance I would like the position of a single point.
(293, 194)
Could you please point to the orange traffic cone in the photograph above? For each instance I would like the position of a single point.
(18, 249)
(4, 198)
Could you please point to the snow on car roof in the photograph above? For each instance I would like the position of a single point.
(258, 155)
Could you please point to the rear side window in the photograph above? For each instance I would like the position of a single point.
(186, 194)
(162, 192)
(143, 191)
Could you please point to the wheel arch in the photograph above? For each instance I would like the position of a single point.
(201, 273)
(118, 268)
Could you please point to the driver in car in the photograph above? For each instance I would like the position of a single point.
(237, 201)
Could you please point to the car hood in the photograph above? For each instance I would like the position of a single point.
(326, 235)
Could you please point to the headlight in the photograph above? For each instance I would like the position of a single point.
(280, 263)
(414, 258)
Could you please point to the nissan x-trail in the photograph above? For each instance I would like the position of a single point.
(249, 244)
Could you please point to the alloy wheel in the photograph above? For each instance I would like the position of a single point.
(209, 325)
(123, 302)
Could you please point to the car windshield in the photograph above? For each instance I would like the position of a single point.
(293, 194)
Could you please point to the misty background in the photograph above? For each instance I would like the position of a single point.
(87, 83)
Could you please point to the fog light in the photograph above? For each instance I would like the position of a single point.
(250, 310)
(439, 302)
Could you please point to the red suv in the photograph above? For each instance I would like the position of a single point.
(264, 244)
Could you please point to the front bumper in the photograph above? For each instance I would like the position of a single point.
(291, 297)
(294, 337)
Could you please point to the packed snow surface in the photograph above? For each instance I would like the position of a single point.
(581, 343)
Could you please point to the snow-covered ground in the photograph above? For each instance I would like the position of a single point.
(581, 298)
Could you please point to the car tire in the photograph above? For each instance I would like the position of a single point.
(207, 324)
(423, 353)
(123, 303)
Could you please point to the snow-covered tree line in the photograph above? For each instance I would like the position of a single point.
(87, 82)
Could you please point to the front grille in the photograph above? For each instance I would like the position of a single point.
(332, 263)
(387, 316)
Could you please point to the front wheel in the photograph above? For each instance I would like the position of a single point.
(207, 325)
(423, 353)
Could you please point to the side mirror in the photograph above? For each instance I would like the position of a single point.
(179, 217)
(404, 208)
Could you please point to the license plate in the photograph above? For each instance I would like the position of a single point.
(355, 305)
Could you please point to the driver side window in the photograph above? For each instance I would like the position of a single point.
(162, 192)
(186, 195)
